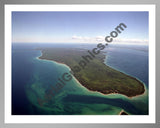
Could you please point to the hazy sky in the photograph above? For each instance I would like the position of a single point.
(86, 27)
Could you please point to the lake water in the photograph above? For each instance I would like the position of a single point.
(32, 77)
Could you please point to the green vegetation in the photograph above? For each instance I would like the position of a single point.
(95, 76)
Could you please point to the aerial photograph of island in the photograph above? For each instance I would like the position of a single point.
(80, 63)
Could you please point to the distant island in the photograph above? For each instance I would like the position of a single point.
(96, 76)
(122, 112)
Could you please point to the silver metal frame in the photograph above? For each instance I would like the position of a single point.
(3, 2)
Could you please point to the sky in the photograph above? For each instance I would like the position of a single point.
(78, 27)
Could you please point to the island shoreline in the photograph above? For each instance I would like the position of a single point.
(130, 97)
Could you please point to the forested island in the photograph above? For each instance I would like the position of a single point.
(95, 75)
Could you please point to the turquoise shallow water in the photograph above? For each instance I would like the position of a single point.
(37, 76)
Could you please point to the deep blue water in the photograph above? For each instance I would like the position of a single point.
(132, 60)
(23, 67)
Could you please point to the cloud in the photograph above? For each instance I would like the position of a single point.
(86, 39)
(100, 38)
(76, 37)
(130, 41)
(81, 39)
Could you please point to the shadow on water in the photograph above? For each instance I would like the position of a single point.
(100, 100)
